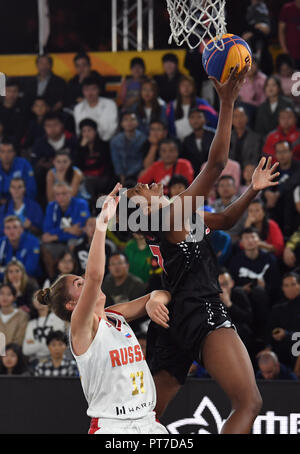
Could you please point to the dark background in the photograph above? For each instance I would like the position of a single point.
(33, 405)
(77, 25)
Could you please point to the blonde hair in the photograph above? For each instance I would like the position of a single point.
(24, 278)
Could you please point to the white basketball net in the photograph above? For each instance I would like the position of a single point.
(197, 21)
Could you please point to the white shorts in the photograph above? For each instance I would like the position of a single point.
(146, 425)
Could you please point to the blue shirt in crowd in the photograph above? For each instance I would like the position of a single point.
(20, 169)
(126, 156)
(28, 252)
(31, 210)
(55, 220)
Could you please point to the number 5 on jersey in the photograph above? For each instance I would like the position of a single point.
(156, 252)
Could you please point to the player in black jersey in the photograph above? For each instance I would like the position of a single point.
(198, 321)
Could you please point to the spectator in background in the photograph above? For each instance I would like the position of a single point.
(94, 160)
(252, 93)
(271, 238)
(245, 145)
(286, 131)
(149, 107)
(280, 201)
(13, 362)
(178, 110)
(35, 128)
(233, 170)
(12, 115)
(227, 191)
(247, 177)
(291, 253)
(284, 70)
(83, 69)
(28, 211)
(102, 110)
(289, 31)
(63, 171)
(56, 138)
(53, 88)
(12, 166)
(130, 87)
(284, 320)
(66, 264)
(125, 149)
(21, 245)
(239, 308)
(58, 365)
(81, 250)
(258, 30)
(139, 257)
(15, 275)
(271, 369)
(257, 272)
(169, 165)
(63, 223)
(168, 81)
(39, 327)
(177, 185)
(13, 321)
(268, 112)
(196, 145)
(220, 241)
(120, 285)
(158, 131)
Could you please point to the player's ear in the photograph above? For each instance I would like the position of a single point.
(70, 305)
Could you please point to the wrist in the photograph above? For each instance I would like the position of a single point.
(227, 103)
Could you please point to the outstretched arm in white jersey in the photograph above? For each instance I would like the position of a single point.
(153, 304)
(85, 320)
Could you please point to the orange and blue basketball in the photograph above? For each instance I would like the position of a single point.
(219, 63)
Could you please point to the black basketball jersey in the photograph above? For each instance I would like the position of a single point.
(190, 265)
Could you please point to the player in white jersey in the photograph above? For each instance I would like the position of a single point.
(116, 380)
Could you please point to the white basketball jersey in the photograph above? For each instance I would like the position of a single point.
(115, 377)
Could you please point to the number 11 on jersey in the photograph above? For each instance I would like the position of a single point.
(133, 376)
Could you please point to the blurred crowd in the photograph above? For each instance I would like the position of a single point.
(65, 143)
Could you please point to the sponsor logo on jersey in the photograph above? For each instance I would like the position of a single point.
(125, 411)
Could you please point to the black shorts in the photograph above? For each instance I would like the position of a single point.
(175, 349)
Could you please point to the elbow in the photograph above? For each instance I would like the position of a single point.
(94, 276)
(219, 166)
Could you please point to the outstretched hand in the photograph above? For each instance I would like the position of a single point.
(263, 178)
(229, 90)
(156, 307)
(109, 208)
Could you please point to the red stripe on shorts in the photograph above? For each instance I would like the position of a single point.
(93, 426)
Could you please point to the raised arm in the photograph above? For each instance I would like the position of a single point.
(153, 304)
(219, 150)
(261, 179)
(83, 314)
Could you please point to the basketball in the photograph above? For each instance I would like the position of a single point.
(219, 63)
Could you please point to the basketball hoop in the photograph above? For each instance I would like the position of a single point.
(197, 21)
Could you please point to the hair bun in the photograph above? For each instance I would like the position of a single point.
(43, 296)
